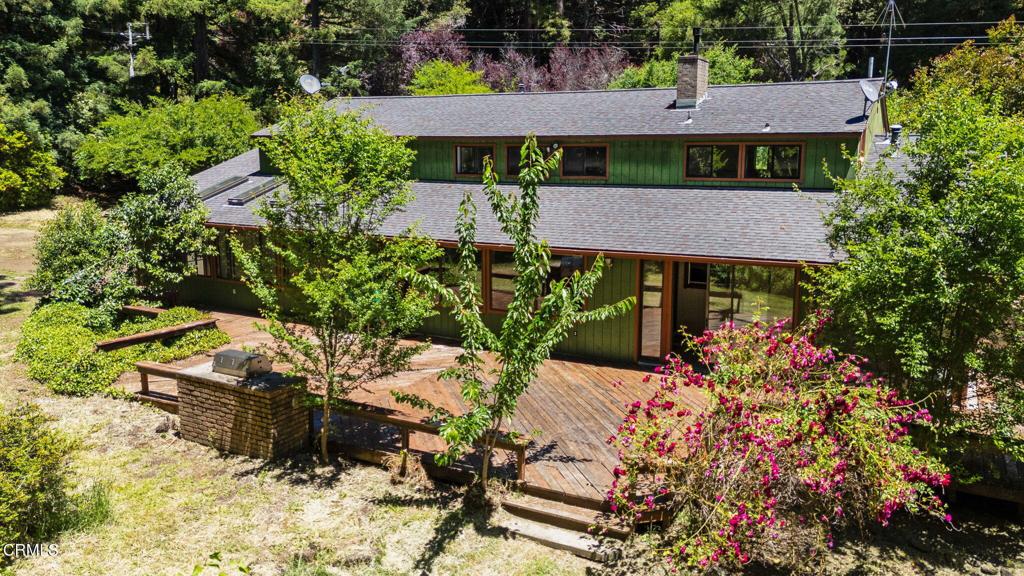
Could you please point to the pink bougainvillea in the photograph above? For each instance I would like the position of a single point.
(770, 452)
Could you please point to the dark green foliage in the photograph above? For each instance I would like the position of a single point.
(28, 174)
(36, 489)
(194, 134)
(58, 344)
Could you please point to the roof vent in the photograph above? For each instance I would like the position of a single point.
(897, 130)
(692, 76)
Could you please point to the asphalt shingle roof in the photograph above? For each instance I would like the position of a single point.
(895, 159)
(737, 223)
(831, 107)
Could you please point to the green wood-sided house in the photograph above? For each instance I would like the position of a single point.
(706, 200)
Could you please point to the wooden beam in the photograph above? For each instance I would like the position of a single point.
(152, 335)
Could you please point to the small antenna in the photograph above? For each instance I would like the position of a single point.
(890, 12)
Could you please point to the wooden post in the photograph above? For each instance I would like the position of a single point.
(521, 464)
(144, 382)
(405, 450)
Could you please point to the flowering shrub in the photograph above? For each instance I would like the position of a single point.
(791, 443)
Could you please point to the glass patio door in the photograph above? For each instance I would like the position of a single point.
(652, 309)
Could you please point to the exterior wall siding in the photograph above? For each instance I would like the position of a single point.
(643, 162)
(613, 339)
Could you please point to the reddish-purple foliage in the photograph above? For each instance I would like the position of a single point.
(584, 68)
(511, 72)
(420, 46)
(764, 457)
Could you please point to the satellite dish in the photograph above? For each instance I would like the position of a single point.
(869, 90)
(311, 84)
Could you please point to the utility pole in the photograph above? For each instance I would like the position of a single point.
(314, 23)
(131, 44)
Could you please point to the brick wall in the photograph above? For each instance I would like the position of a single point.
(262, 423)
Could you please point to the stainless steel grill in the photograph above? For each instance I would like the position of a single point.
(241, 364)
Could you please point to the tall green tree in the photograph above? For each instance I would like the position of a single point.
(345, 308)
(933, 286)
(438, 77)
(193, 134)
(794, 39)
(539, 316)
(725, 66)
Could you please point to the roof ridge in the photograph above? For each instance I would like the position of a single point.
(600, 90)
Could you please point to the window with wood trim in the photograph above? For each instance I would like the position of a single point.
(585, 162)
(713, 161)
(772, 161)
(469, 160)
(201, 265)
(512, 158)
(742, 293)
(503, 275)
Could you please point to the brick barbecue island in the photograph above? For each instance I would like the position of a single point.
(261, 416)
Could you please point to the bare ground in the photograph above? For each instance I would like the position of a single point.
(175, 502)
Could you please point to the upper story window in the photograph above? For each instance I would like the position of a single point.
(469, 160)
(713, 161)
(772, 161)
(585, 162)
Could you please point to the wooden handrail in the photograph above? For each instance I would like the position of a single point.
(151, 335)
(409, 424)
(147, 368)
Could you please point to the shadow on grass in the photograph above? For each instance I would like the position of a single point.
(459, 513)
(302, 469)
(11, 295)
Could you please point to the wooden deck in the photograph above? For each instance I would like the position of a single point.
(567, 413)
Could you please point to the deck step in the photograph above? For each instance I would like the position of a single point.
(583, 545)
(565, 516)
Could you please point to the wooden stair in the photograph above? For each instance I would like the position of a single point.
(566, 516)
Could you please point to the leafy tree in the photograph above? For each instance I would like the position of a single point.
(539, 316)
(438, 77)
(805, 40)
(725, 66)
(194, 134)
(932, 287)
(28, 175)
(990, 73)
(346, 309)
(163, 224)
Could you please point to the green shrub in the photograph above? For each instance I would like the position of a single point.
(37, 498)
(58, 345)
(28, 174)
(34, 462)
(440, 77)
(81, 258)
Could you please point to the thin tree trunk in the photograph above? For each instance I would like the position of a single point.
(325, 426)
(314, 23)
(199, 45)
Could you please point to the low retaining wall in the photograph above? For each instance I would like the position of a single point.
(260, 417)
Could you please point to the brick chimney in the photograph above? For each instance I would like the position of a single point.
(692, 81)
